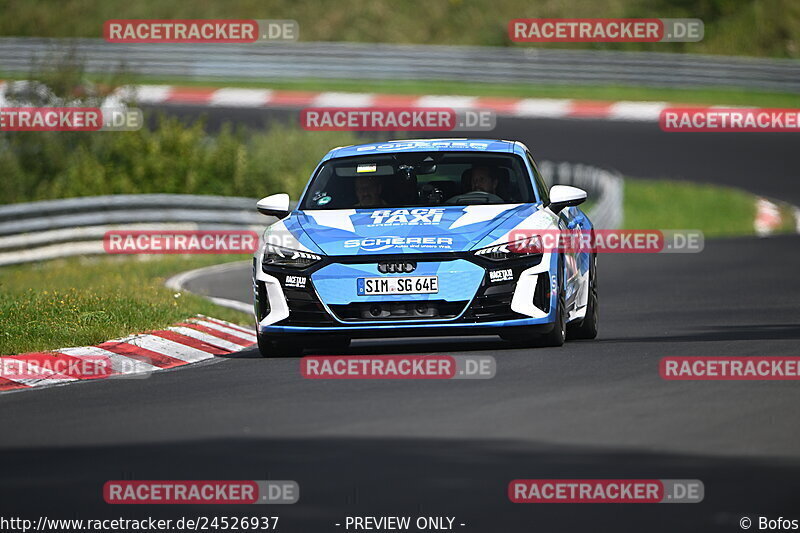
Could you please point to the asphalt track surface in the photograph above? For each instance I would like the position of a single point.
(592, 409)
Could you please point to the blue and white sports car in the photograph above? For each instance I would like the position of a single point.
(423, 237)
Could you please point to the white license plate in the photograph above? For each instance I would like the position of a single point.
(404, 285)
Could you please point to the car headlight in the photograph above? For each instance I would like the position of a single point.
(530, 245)
(286, 257)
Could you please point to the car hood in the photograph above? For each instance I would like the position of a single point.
(405, 230)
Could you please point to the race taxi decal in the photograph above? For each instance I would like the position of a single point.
(406, 217)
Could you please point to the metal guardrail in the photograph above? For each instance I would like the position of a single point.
(363, 61)
(605, 189)
(49, 229)
(124, 209)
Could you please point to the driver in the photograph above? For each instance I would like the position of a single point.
(482, 179)
(368, 192)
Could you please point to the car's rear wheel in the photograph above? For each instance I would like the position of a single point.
(587, 328)
(278, 347)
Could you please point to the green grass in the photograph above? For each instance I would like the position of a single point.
(788, 220)
(712, 96)
(734, 27)
(662, 204)
(85, 301)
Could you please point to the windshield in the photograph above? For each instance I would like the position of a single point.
(419, 179)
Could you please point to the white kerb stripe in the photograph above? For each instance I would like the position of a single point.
(33, 368)
(343, 100)
(247, 337)
(543, 107)
(171, 348)
(636, 110)
(205, 337)
(455, 102)
(119, 363)
(41, 382)
(229, 324)
(152, 94)
(241, 97)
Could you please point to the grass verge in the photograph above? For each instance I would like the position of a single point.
(789, 222)
(717, 211)
(711, 96)
(88, 300)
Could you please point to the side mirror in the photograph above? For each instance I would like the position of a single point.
(276, 205)
(562, 196)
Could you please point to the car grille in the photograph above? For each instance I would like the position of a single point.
(493, 302)
(305, 309)
(399, 310)
(541, 298)
(262, 302)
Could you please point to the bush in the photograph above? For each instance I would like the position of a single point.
(172, 157)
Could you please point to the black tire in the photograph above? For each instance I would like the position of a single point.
(278, 347)
(587, 328)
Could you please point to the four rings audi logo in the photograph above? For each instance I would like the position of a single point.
(396, 267)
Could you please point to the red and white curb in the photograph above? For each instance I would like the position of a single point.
(503, 106)
(513, 107)
(192, 341)
(769, 218)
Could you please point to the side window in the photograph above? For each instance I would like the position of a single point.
(540, 184)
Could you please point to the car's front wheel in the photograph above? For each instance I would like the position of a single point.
(587, 328)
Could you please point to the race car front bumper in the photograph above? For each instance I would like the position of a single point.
(475, 297)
